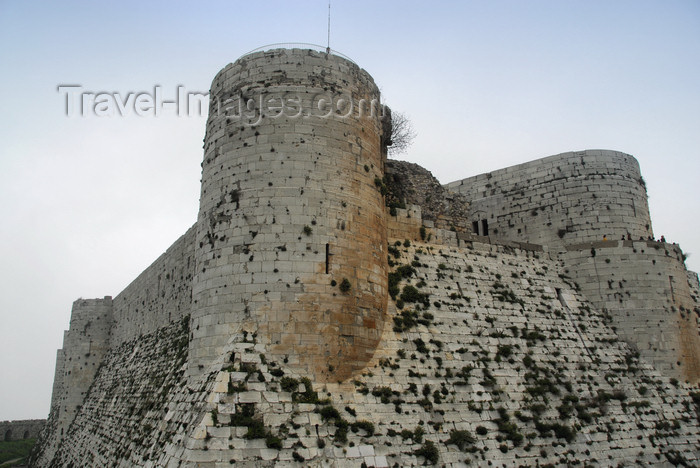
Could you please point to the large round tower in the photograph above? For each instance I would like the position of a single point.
(291, 232)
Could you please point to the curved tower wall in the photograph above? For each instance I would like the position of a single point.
(645, 288)
(288, 206)
(561, 200)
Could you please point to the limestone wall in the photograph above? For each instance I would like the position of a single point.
(568, 198)
(161, 295)
(84, 345)
(644, 287)
(493, 348)
(410, 184)
(503, 363)
(406, 224)
(21, 429)
(694, 285)
(290, 210)
(157, 298)
(137, 405)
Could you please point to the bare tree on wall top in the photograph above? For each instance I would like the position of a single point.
(402, 134)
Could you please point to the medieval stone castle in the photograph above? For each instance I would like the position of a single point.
(331, 307)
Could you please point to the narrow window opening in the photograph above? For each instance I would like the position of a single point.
(328, 257)
(484, 227)
(475, 227)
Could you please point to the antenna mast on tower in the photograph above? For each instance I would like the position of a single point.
(328, 47)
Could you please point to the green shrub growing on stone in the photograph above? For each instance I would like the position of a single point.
(394, 251)
(420, 346)
(561, 431)
(274, 442)
(256, 430)
(328, 412)
(366, 426)
(238, 387)
(508, 428)
(289, 384)
(428, 451)
(406, 271)
(411, 294)
(308, 396)
(394, 279)
(384, 393)
(243, 415)
(504, 350)
(341, 431)
(406, 320)
(345, 285)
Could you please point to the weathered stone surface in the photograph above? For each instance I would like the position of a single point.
(410, 184)
(516, 348)
(563, 199)
(289, 205)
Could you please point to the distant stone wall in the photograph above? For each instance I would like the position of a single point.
(159, 296)
(694, 288)
(644, 287)
(568, 198)
(136, 406)
(84, 346)
(21, 429)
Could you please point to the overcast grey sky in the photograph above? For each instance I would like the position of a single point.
(87, 203)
